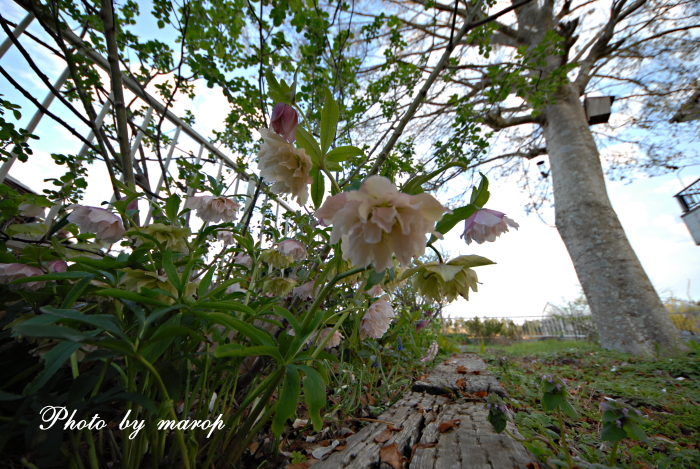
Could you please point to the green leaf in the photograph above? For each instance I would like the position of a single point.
(76, 291)
(286, 314)
(172, 207)
(329, 121)
(449, 221)
(308, 143)
(318, 188)
(635, 432)
(56, 332)
(230, 305)
(206, 281)
(101, 321)
(54, 276)
(611, 432)
(260, 336)
(170, 269)
(155, 348)
(569, 410)
(374, 278)
(53, 360)
(174, 331)
(314, 395)
(288, 400)
(551, 401)
(480, 194)
(129, 295)
(235, 350)
(343, 153)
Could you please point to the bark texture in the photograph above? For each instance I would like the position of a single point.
(627, 311)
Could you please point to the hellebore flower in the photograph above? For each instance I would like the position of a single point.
(169, 236)
(213, 209)
(31, 210)
(10, 272)
(279, 286)
(422, 324)
(334, 341)
(243, 259)
(446, 281)
(284, 165)
(225, 236)
(486, 225)
(377, 319)
(235, 288)
(284, 121)
(377, 221)
(294, 248)
(432, 353)
(135, 280)
(305, 291)
(57, 266)
(104, 224)
(276, 258)
(376, 290)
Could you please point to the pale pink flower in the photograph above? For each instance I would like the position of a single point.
(31, 210)
(486, 225)
(376, 290)
(10, 272)
(334, 341)
(213, 209)
(422, 324)
(284, 121)
(57, 266)
(225, 236)
(377, 221)
(243, 259)
(104, 224)
(235, 288)
(304, 291)
(432, 353)
(294, 248)
(284, 165)
(377, 319)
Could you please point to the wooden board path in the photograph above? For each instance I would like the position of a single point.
(471, 444)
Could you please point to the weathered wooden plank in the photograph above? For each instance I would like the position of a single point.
(472, 445)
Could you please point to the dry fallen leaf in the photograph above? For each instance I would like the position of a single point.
(366, 399)
(393, 428)
(383, 436)
(461, 383)
(461, 370)
(481, 394)
(418, 406)
(421, 445)
(444, 426)
(391, 455)
(477, 372)
(532, 465)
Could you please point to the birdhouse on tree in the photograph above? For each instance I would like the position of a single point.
(598, 109)
(689, 198)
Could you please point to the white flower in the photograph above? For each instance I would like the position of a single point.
(235, 288)
(225, 236)
(104, 224)
(10, 272)
(213, 209)
(377, 319)
(304, 291)
(486, 225)
(31, 210)
(243, 259)
(294, 248)
(334, 341)
(375, 291)
(377, 221)
(432, 353)
(284, 165)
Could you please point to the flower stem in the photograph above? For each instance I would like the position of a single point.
(436, 252)
(564, 444)
(611, 461)
(324, 293)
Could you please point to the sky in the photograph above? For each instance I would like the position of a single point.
(532, 267)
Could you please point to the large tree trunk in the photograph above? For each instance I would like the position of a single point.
(627, 311)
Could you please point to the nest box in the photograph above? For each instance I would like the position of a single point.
(598, 109)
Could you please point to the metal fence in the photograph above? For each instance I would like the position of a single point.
(155, 109)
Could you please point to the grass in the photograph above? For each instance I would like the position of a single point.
(670, 406)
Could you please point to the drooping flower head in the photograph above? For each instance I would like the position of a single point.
(376, 290)
(305, 291)
(104, 224)
(439, 281)
(278, 286)
(31, 210)
(170, 236)
(377, 319)
(294, 248)
(334, 341)
(57, 266)
(243, 259)
(276, 258)
(432, 353)
(486, 225)
(213, 209)
(378, 221)
(10, 272)
(225, 237)
(284, 121)
(286, 166)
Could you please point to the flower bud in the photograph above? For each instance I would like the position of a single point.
(284, 121)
